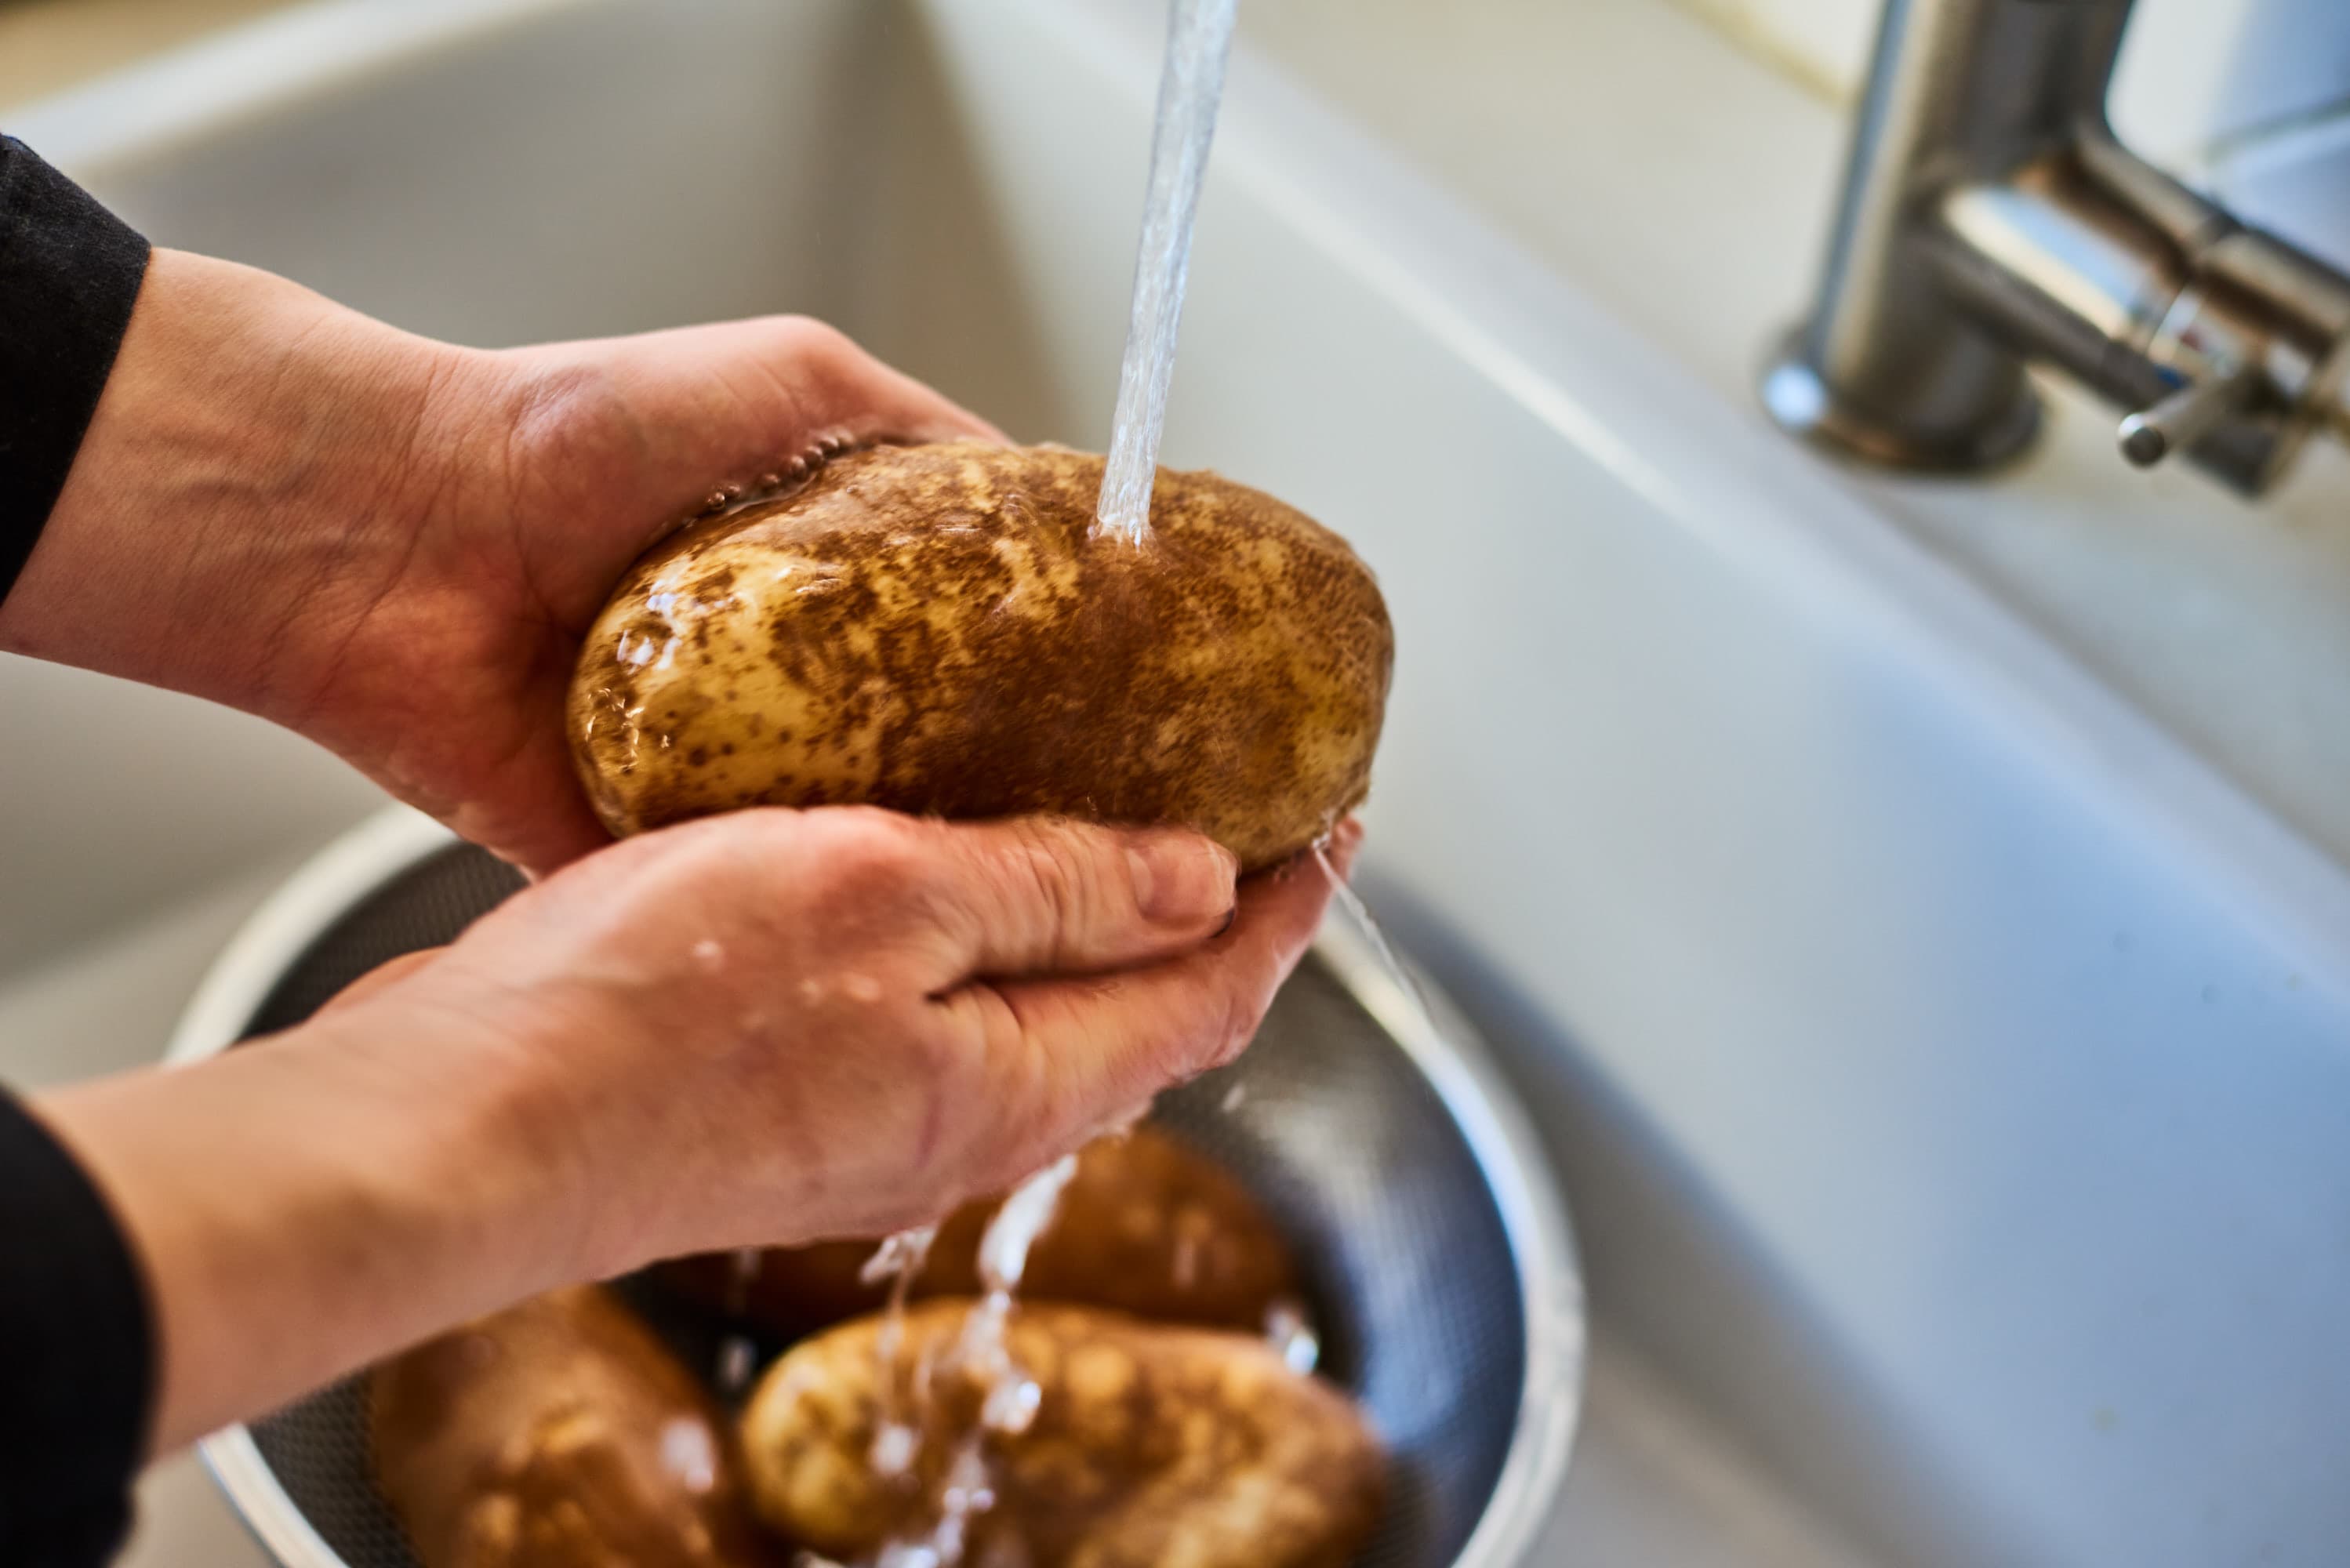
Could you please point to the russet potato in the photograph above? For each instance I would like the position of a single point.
(1148, 1225)
(557, 1434)
(1152, 1445)
(938, 629)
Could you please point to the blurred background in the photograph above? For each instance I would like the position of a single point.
(2253, 96)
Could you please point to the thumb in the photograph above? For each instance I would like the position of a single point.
(1062, 1053)
(728, 400)
(1037, 894)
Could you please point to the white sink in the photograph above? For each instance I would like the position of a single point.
(1950, 1075)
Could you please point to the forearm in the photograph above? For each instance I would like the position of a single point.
(244, 482)
(302, 1206)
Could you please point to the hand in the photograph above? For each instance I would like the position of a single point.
(766, 1027)
(395, 546)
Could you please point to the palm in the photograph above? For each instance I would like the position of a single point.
(451, 690)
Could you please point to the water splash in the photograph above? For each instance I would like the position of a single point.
(1353, 904)
(966, 1494)
(1291, 1334)
(982, 1352)
(1004, 1250)
(737, 1356)
(1198, 39)
(897, 1441)
(1012, 1396)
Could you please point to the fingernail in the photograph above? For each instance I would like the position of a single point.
(1181, 880)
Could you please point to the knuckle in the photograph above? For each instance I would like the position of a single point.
(1044, 871)
(872, 853)
(804, 865)
(739, 853)
(551, 399)
(707, 855)
(821, 347)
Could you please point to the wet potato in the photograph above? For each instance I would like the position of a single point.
(1152, 1445)
(557, 1434)
(936, 630)
(1147, 1226)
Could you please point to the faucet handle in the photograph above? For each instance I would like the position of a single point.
(2183, 418)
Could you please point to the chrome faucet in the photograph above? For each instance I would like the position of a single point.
(1990, 216)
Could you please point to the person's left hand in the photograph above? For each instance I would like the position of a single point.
(395, 546)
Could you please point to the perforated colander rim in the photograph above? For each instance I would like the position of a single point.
(1447, 1053)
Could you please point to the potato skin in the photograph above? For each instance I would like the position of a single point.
(936, 630)
(560, 1433)
(1152, 1445)
(1148, 1225)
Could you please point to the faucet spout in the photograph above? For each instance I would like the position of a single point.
(1991, 219)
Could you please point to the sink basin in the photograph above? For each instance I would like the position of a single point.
(1950, 1075)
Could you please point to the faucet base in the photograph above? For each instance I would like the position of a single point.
(1803, 403)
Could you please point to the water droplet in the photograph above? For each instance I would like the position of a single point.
(1012, 1405)
(737, 1362)
(688, 1452)
(1004, 1250)
(737, 1358)
(1292, 1336)
(895, 1447)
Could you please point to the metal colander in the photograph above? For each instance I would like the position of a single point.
(1433, 1244)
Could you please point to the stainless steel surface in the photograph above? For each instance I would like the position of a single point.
(1990, 218)
(1435, 1244)
(2181, 418)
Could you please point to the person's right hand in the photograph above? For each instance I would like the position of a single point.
(766, 1027)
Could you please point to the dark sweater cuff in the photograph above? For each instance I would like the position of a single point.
(74, 1399)
(69, 274)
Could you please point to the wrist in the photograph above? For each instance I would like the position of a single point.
(240, 490)
(358, 1177)
(466, 1143)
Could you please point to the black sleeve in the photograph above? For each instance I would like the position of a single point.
(74, 1394)
(69, 273)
